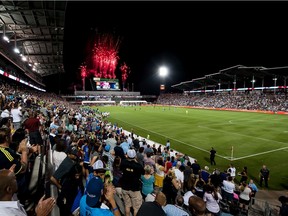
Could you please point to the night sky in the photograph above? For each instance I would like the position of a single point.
(191, 38)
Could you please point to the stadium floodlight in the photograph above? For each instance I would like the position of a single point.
(4, 34)
(163, 71)
(16, 50)
(6, 38)
(275, 80)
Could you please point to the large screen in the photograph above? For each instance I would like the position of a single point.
(106, 84)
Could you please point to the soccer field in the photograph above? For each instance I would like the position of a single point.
(256, 138)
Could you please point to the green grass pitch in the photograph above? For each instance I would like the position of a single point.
(256, 138)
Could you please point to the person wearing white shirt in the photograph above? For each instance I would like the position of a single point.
(58, 155)
(228, 189)
(232, 171)
(179, 173)
(6, 113)
(186, 197)
(8, 187)
(211, 198)
(17, 116)
(245, 196)
(129, 140)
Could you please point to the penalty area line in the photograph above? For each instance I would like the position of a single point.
(261, 153)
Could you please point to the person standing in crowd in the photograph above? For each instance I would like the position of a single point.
(212, 198)
(8, 187)
(154, 208)
(197, 206)
(212, 156)
(245, 195)
(168, 145)
(147, 181)
(244, 175)
(264, 176)
(196, 168)
(16, 115)
(131, 187)
(228, 189)
(232, 171)
(92, 203)
(177, 209)
(254, 189)
(65, 167)
(33, 126)
(71, 191)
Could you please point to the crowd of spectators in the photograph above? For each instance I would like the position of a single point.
(256, 100)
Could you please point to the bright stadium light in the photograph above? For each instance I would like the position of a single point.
(163, 71)
(275, 80)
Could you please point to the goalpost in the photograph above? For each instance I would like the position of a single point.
(98, 102)
(129, 103)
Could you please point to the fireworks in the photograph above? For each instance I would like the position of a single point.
(125, 70)
(102, 59)
(83, 69)
(105, 56)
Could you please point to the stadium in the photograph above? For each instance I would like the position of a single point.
(223, 133)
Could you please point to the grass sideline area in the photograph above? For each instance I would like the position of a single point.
(256, 138)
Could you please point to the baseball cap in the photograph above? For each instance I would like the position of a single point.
(131, 153)
(94, 191)
(99, 165)
(107, 148)
(72, 150)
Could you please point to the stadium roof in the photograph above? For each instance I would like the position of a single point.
(36, 28)
(237, 73)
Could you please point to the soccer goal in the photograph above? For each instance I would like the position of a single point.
(98, 103)
(132, 103)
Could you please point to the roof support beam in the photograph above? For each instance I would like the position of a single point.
(28, 10)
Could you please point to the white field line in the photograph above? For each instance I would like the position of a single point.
(222, 131)
(252, 155)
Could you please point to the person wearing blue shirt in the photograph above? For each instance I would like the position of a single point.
(92, 202)
(254, 190)
(176, 209)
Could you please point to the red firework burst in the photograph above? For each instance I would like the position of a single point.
(125, 70)
(105, 56)
(83, 69)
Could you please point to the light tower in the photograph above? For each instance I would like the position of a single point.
(163, 72)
